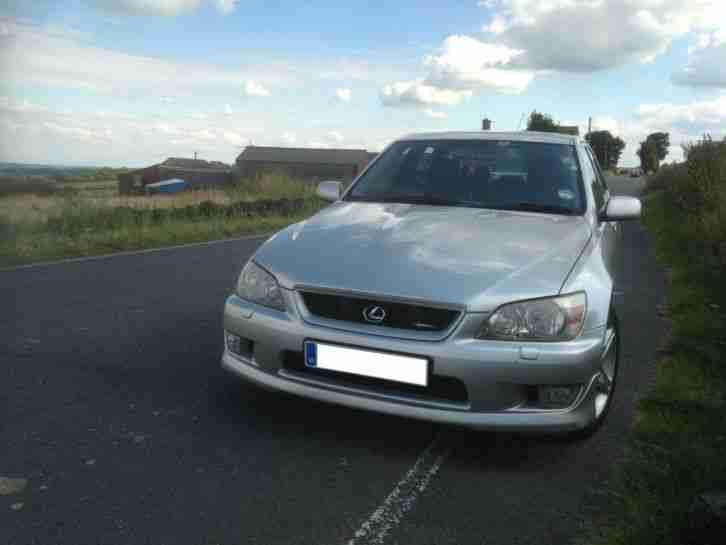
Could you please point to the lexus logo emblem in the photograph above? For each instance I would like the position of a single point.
(374, 314)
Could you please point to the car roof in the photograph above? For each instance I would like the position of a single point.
(518, 136)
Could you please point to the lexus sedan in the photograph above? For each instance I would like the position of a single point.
(462, 278)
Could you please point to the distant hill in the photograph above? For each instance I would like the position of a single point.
(26, 169)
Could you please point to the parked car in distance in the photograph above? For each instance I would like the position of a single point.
(463, 278)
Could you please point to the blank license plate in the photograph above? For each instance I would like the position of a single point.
(367, 363)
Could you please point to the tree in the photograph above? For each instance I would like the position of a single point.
(648, 153)
(662, 143)
(607, 148)
(541, 122)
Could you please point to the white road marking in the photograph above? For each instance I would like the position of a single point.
(402, 498)
(132, 252)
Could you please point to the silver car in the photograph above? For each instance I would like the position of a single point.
(462, 278)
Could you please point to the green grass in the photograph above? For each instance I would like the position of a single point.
(43, 219)
(83, 230)
(677, 448)
(274, 185)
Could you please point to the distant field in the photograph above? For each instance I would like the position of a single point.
(43, 219)
(105, 185)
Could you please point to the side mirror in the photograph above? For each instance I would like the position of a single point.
(621, 208)
(330, 191)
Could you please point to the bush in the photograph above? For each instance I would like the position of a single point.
(706, 162)
(668, 176)
(698, 187)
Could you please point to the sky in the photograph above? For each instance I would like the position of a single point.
(132, 82)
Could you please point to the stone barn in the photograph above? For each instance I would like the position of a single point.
(195, 172)
(309, 164)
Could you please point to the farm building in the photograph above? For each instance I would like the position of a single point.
(195, 172)
(304, 163)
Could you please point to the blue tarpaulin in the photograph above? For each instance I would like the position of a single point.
(167, 186)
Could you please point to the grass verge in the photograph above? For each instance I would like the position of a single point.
(85, 230)
(43, 220)
(677, 448)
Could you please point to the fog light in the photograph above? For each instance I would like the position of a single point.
(234, 344)
(558, 397)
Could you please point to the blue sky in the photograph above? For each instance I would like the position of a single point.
(130, 82)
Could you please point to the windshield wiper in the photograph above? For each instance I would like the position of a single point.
(536, 207)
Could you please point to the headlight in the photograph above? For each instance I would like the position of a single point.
(255, 284)
(554, 319)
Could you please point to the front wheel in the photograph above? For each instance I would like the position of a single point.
(605, 381)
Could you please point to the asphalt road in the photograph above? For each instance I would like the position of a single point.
(114, 407)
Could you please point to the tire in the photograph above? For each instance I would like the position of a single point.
(602, 410)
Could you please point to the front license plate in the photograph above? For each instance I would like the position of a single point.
(367, 363)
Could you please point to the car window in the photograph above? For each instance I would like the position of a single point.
(477, 173)
(593, 179)
(598, 171)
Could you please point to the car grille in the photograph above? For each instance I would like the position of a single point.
(440, 388)
(397, 315)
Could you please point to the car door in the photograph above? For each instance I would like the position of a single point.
(606, 231)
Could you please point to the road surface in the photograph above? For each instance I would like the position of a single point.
(113, 406)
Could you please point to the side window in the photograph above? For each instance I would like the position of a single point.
(592, 176)
(599, 170)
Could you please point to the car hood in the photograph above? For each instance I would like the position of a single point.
(476, 258)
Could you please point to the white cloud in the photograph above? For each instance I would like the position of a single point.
(80, 133)
(435, 114)
(289, 138)
(344, 95)
(417, 93)
(162, 8)
(461, 66)
(33, 132)
(202, 134)
(467, 63)
(706, 65)
(165, 128)
(695, 117)
(24, 106)
(604, 123)
(32, 55)
(234, 138)
(254, 88)
(497, 25)
(590, 35)
(684, 122)
(41, 56)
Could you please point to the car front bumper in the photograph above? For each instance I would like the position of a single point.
(497, 375)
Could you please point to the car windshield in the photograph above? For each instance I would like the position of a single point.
(500, 174)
